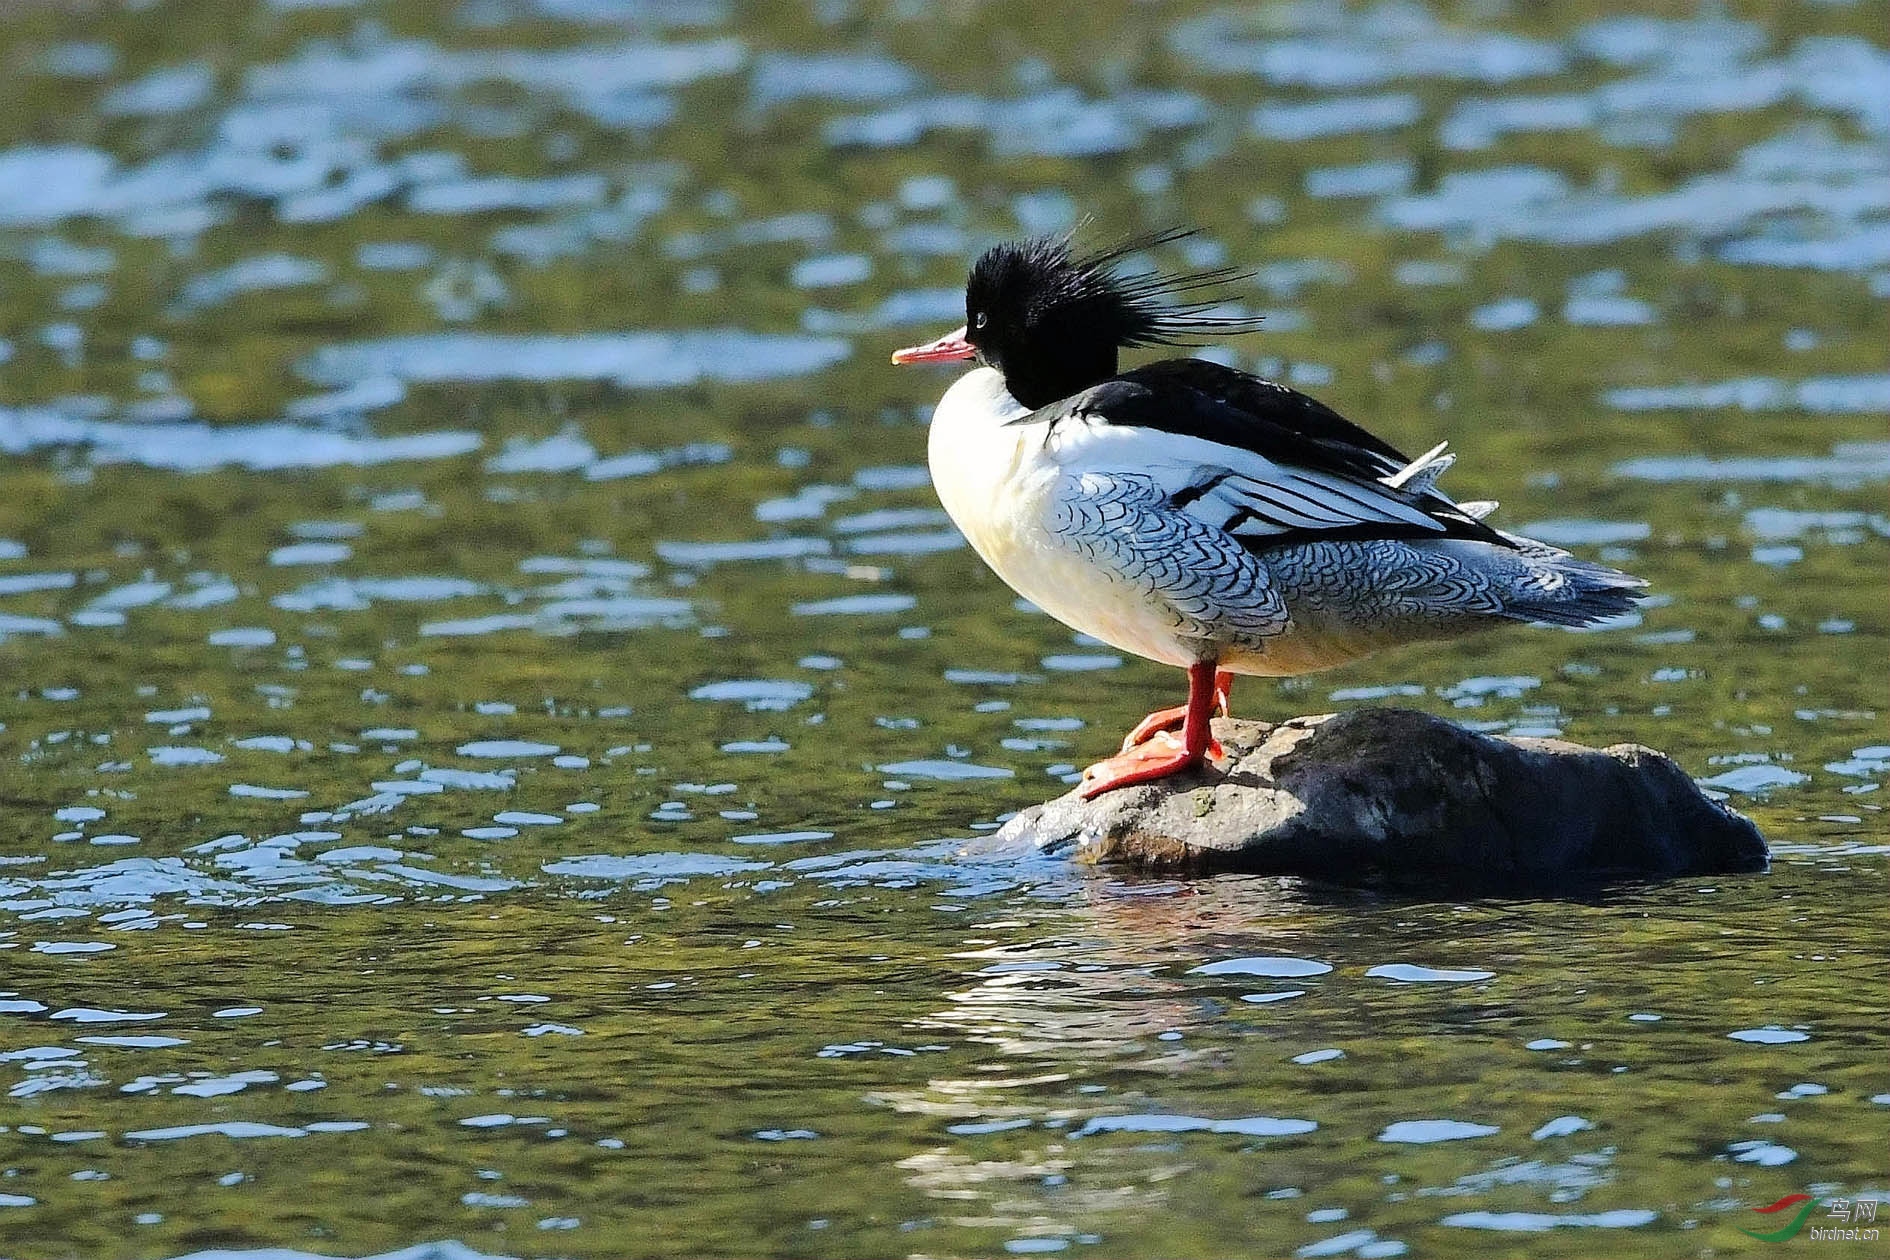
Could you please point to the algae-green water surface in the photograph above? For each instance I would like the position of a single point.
(491, 706)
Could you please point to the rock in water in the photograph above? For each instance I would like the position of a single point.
(1391, 794)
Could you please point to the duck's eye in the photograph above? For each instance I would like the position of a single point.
(981, 320)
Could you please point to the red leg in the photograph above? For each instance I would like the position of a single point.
(1162, 754)
(1168, 719)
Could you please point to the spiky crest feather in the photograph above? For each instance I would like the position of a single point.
(1053, 320)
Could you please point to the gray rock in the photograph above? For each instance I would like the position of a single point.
(1392, 794)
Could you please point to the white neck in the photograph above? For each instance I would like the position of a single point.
(976, 400)
(980, 462)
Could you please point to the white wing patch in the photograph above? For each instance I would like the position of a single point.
(1294, 499)
(1244, 493)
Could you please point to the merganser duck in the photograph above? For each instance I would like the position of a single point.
(1198, 515)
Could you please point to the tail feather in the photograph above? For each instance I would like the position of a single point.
(1561, 590)
(1542, 583)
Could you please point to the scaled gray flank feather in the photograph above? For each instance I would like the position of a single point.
(1385, 583)
(1220, 589)
(1214, 587)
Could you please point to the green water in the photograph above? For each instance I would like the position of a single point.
(457, 786)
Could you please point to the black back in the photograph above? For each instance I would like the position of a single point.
(1235, 408)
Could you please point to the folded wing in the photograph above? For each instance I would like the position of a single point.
(1255, 460)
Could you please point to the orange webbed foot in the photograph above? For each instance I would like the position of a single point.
(1152, 752)
(1172, 719)
(1154, 724)
(1157, 757)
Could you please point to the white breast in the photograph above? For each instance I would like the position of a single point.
(981, 465)
(998, 482)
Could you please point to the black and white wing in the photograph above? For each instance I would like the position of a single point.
(1258, 461)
